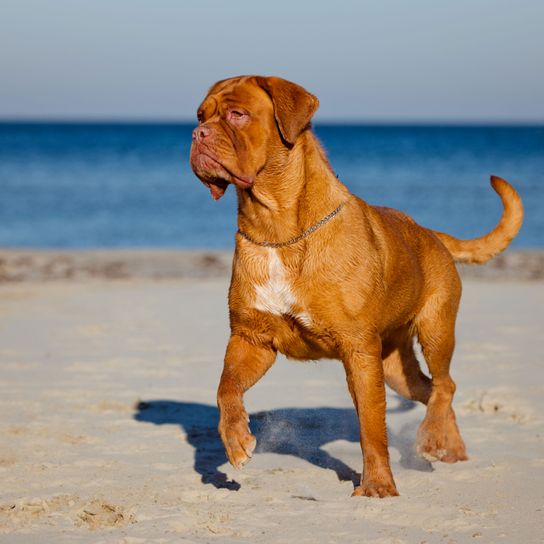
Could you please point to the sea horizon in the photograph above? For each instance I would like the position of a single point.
(82, 120)
(88, 183)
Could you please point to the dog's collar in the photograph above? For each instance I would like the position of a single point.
(298, 238)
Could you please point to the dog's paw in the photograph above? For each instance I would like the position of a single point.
(375, 489)
(238, 441)
(431, 451)
(440, 444)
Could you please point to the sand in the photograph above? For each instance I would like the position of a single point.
(109, 434)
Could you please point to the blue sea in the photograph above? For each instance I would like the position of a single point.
(84, 185)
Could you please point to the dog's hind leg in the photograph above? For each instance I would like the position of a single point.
(438, 437)
(245, 364)
(402, 371)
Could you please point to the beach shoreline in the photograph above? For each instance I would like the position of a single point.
(35, 265)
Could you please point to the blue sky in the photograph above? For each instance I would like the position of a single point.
(385, 60)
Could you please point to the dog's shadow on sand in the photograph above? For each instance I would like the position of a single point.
(301, 432)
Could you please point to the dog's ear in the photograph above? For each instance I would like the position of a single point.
(294, 106)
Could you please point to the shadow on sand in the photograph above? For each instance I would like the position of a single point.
(301, 432)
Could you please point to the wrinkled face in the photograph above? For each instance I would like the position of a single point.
(236, 120)
(243, 122)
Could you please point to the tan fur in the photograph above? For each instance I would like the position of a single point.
(358, 289)
(480, 250)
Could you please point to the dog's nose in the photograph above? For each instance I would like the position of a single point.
(199, 133)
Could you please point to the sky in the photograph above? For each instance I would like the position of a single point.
(381, 60)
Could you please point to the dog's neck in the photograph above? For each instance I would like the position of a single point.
(290, 194)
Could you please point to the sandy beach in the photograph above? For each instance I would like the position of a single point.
(110, 362)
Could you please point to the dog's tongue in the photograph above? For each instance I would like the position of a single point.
(217, 189)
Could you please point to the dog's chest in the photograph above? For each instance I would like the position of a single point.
(276, 295)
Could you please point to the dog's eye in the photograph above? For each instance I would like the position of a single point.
(237, 115)
(200, 117)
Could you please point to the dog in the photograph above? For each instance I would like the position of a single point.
(320, 273)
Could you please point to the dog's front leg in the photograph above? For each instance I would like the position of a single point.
(245, 364)
(364, 372)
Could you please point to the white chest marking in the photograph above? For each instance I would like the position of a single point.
(276, 296)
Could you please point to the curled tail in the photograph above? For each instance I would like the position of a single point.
(480, 250)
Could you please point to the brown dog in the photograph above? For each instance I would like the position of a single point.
(320, 273)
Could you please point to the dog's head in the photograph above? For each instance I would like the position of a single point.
(244, 122)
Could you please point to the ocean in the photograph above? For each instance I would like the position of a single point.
(103, 185)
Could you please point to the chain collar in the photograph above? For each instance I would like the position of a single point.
(298, 238)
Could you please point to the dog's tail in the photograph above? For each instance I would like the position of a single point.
(480, 250)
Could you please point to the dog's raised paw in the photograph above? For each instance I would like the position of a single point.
(239, 443)
(242, 457)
